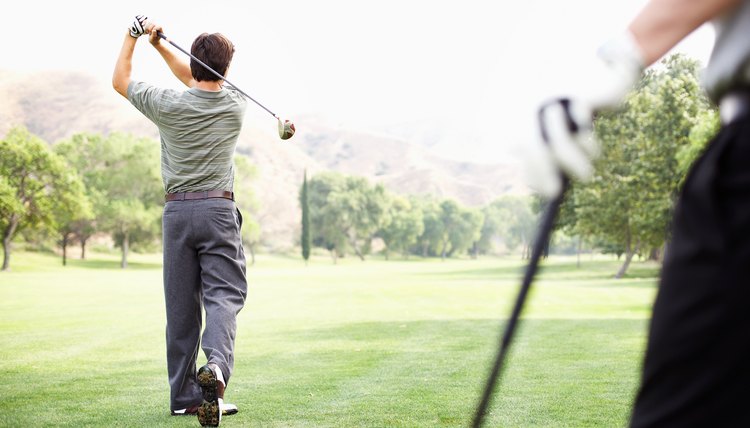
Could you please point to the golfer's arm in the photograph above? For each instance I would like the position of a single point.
(663, 23)
(180, 68)
(124, 66)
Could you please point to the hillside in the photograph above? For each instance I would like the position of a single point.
(57, 105)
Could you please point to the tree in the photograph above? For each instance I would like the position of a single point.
(90, 155)
(628, 202)
(72, 210)
(34, 183)
(305, 204)
(449, 216)
(122, 178)
(509, 219)
(432, 227)
(131, 222)
(489, 232)
(403, 226)
(325, 231)
(466, 230)
(708, 124)
(134, 195)
(10, 208)
(83, 229)
(358, 210)
(459, 227)
(567, 221)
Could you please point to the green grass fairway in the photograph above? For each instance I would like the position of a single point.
(373, 344)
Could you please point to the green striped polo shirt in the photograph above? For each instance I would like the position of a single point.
(198, 130)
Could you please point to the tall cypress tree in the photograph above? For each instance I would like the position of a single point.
(305, 220)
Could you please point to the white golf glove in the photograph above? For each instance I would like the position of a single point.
(564, 143)
(139, 26)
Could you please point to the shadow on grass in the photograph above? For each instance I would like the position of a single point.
(597, 270)
(451, 332)
(111, 264)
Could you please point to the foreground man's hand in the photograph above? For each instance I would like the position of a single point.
(564, 144)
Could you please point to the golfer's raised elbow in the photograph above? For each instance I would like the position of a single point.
(120, 85)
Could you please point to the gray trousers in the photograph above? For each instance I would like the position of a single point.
(204, 268)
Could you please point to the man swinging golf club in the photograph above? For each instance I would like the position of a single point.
(696, 369)
(204, 262)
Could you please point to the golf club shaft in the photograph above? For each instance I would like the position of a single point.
(545, 229)
(160, 34)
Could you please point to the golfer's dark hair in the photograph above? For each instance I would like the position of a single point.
(213, 49)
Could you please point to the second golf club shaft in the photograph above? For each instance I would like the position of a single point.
(542, 240)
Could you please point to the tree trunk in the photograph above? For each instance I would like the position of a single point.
(334, 255)
(7, 236)
(630, 252)
(6, 254)
(125, 250)
(628, 258)
(65, 249)
(578, 252)
(358, 253)
(83, 248)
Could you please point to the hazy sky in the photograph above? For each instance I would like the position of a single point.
(473, 70)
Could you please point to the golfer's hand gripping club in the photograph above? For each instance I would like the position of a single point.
(138, 27)
(286, 128)
(564, 144)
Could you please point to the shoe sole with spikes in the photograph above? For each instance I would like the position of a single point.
(209, 412)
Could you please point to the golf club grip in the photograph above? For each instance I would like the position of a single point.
(545, 230)
(215, 73)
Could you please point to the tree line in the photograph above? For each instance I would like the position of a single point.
(346, 214)
(92, 184)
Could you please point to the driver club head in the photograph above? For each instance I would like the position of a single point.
(286, 129)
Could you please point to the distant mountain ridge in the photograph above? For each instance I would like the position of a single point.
(56, 105)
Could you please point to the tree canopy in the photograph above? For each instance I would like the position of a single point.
(121, 173)
(37, 189)
(646, 147)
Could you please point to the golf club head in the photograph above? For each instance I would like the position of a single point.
(286, 129)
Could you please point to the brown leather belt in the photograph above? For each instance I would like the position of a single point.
(192, 196)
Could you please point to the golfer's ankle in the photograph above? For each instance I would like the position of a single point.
(219, 373)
